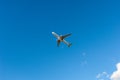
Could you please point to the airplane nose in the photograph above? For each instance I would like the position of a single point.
(52, 32)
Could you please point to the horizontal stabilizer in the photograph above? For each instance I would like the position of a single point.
(69, 44)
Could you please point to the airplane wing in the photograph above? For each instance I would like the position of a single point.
(67, 43)
(66, 35)
(55, 34)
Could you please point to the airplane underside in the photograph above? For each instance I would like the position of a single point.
(61, 39)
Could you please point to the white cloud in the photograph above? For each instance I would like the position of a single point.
(103, 76)
(116, 74)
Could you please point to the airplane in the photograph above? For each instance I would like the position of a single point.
(61, 39)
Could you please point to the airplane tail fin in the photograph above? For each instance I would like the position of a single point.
(69, 44)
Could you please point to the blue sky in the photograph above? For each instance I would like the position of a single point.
(28, 50)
